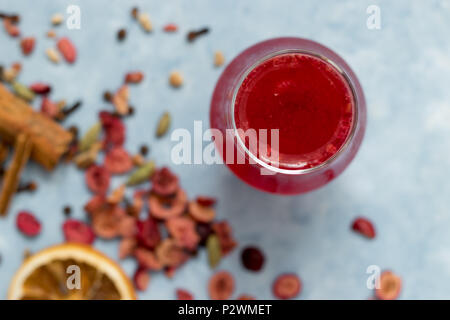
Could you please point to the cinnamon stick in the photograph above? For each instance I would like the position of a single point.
(22, 151)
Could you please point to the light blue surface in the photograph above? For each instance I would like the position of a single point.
(399, 178)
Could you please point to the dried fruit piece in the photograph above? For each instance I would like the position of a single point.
(120, 100)
(126, 247)
(141, 174)
(390, 286)
(11, 28)
(138, 160)
(221, 286)
(96, 203)
(41, 88)
(27, 45)
(193, 35)
(206, 201)
(219, 59)
(67, 49)
(175, 79)
(53, 55)
(49, 108)
(182, 229)
(147, 259)
(97, 179)
(106, 222)
(134, 77)
(78, 231)
(28, 224)
(167, 207)
(184, 295)
(204, 230)
(214, 250)
(200, 212)
(364, 227)
(51, 34)
(252, 258)
(118, 161)
(246, 297)
(57, 19)
(224, 233)
(163, 124)
(287, 286)
(141, 279)
(114, 129)
(87, 158)
(170, 27)
(148, 234)
(145, 22)
(116, 195)
(90, 137)
(164, 182)
(127, 226)
(23, 91)
(170, 254)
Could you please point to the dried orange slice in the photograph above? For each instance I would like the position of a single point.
(49, 274)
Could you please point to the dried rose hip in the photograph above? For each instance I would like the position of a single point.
(252, 258)
(114, 129)
(245, 297)
(106, 222)
(182, 229)
(11, 28)
(390, 286)
(364, 227)
(170, 254)
(147, 259)
(40, 88)
(78, 231)
(118, 161)
(67, 49)
(134, 77)
(28, 224)
(287, 286)
(206, 201)
(126, 247)
(97, 179)
(148, 234)
(141, 279)
(200, 212)
(170, 27)
(184, 295)
(49, 108)
(97, 202)
(127, 226)
(223, 231)
(221, 286)
(27, 45)
(164, 182)
(204, 230)
(167, 207)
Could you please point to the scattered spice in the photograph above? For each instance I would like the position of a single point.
(364, 226)
(120, 100)
(14, 18)
(27, 45)
(134, 12)
(144, 150)
(175, 79)
(28, 224)
(134, 77)
(252, 258)
(194, 34)
(107, 96)
(219, 59)
(287, 286)
(214, 250)
(163, 124)
(57, 19)
(390, 286)
(145, 22)
(141, 174)
(23, 91)
(121, 34)
(170, 27)
(53, 55)
(51, 34)
(68, 111)
(29, 186)
(67, 211)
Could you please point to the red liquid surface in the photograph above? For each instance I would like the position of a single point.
(304, 97)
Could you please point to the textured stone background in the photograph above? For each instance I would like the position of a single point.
(399, 178)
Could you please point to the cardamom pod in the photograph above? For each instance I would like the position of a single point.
(90, 137)
(214, 250)
(163, 124)
(141, 174)
(23, 91)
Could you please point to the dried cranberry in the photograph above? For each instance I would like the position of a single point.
(67, 49)
(206, 201)
(389, 286)
(287, 286)
(78, 231)
(165, 183)
(148, 234)
(28, 224)
(141, 279)
(40, 88)
(97, 179)
(364, 227)
(118, 161)
(252, 258)
(221, 286)
(27, 45)
(184, 295)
